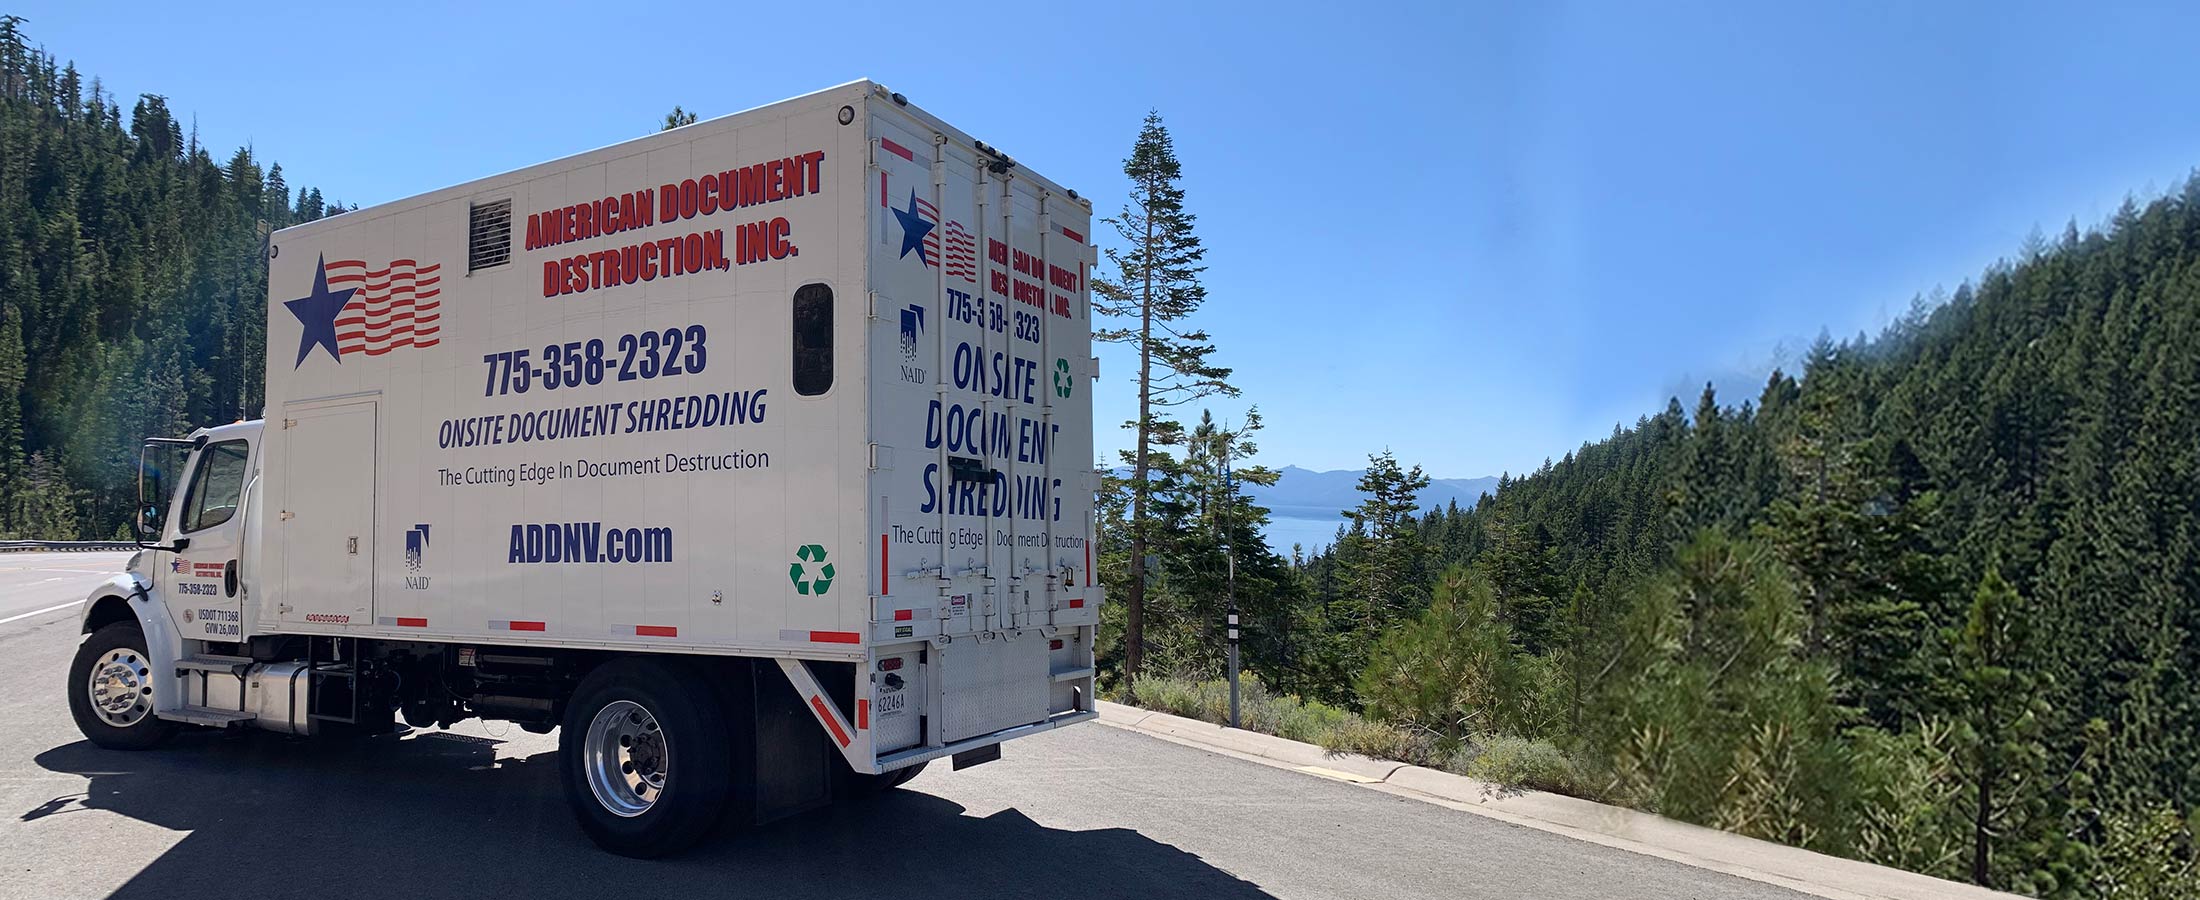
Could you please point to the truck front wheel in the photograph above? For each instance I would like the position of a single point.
(111, 690)
(646, 756)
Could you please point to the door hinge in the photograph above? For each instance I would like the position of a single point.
(285, 515)
(289, 424)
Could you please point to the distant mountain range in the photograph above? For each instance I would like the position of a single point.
(1307, 494)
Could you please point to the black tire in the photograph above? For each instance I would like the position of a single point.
(857, 785)
(147, 730)
(680, 699)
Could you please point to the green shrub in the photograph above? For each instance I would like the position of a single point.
(1522, 763)
(1510, 761)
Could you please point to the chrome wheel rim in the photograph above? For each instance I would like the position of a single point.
(626, 757)
(121, 687)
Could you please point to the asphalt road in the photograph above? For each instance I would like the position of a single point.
(30, 582)
(1089, 812)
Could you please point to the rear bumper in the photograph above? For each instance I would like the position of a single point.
(906, 758)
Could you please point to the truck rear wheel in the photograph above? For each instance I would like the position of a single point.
(646, 756)
(111, 690)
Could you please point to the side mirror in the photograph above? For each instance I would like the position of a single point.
(149, 520)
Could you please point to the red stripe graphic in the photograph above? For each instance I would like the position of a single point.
(1070, 234)
(897, 149)
(391, 307)
(829, 719)
(835, 637)
(403, 622)
(526, 626)
(885, 584)
(656, 631)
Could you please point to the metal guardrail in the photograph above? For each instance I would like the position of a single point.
(13, 546)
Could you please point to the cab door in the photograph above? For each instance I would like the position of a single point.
(201, 582)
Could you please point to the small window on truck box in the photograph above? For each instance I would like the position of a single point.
(813, 339)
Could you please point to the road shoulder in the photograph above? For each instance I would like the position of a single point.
(1803, 871)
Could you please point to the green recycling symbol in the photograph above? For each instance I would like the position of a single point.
(800, 573)
(1062, 379)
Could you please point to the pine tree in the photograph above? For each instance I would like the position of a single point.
(676, 118)
(1156, 283)
(2001, 741)
(1383, 577)
(1454, 671)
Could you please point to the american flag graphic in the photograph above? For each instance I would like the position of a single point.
(395, 306)
(962, 253)
(930, 214)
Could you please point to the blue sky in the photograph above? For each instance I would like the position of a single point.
(1475, 234)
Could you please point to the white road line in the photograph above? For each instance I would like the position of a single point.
(40, 612)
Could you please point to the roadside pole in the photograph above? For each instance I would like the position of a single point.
(1229, 556)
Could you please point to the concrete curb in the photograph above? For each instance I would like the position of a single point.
(1638, 832)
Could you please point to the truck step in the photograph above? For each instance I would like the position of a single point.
(217, 718)
(228, 665)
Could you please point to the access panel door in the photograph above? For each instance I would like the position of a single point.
(325, 517)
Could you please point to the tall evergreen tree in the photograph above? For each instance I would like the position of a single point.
(1157, 284)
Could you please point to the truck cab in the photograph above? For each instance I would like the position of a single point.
(199, 527)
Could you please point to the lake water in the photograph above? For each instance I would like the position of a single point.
(1313, 533)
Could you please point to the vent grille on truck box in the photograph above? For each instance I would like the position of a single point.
(489, 235)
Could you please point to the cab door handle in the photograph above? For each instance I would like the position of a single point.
(229, 579)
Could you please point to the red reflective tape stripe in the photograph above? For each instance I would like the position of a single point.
(897, 149)
(826, 716)
(411, 623)
(656, 631)
(1071, 234)
(836, 637)
(525, 626)
(1077, 603)
(1088, 563)
(904, 615)
(882, 190)
(863, 715)
(885, 585)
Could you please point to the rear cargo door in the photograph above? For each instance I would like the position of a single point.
(982, 414)
(325, 515)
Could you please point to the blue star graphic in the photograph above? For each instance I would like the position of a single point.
(913, 230)
(318, 314)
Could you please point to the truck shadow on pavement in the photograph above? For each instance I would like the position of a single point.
(437, 814)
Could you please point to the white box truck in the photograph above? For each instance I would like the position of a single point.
(755, 455)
